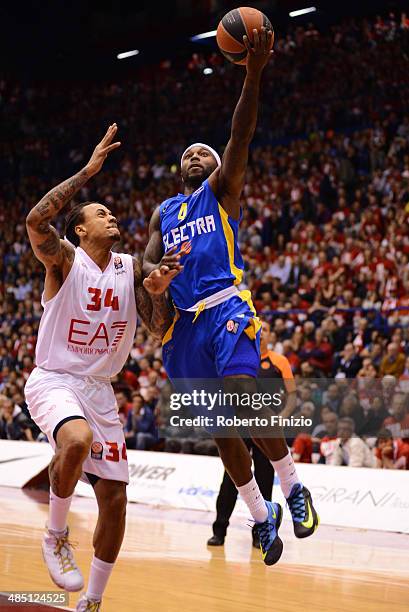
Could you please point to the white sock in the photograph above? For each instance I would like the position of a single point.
(287, 473)
(98, 578)
(58, 512)
(252, 497)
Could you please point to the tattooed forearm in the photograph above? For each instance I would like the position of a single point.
(56, 199)
(44, 237)
(43, 208)
(143, 305)
(154, 311)
(162, 314)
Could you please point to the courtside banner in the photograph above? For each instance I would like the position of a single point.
(347, 497)
(181, 481)
(357, 497)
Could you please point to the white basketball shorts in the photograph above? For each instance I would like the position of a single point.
(53, 397)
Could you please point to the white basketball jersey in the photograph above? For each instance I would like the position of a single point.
(89, 326)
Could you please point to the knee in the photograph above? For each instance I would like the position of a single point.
(77, 448)
(114, 505)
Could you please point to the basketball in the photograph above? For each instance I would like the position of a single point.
(236, 24)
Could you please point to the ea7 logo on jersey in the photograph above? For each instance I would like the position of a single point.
(84, 337)
(118, 263)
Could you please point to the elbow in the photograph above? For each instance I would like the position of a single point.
(33, 219)
(30, 219)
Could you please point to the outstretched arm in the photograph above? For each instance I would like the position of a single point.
(227, 182)
(150, 295)
(44, 238)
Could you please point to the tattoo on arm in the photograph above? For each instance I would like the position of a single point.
(162, 314)
(44, 237)
(51, 245)
(57, 198)
(42, 208)
(154, 310)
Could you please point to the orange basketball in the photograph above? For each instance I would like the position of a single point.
(234, 25)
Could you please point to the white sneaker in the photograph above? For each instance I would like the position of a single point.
(87, 605)
(57, 553)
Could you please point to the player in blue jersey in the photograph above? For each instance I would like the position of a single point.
(215, 332)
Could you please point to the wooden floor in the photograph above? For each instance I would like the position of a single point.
(165, 565)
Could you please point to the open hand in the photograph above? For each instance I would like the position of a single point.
(171, 260)
(260, 52)
(102, 149)
(159, 280)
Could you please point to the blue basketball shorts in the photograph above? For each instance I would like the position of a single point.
(220, 341)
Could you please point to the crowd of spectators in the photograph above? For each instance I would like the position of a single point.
(324, 236)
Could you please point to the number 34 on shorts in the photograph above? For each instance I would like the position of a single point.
(114, 451)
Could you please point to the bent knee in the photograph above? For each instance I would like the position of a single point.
(78, 447)
(114, 503)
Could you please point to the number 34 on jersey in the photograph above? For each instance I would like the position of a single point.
(84, 333)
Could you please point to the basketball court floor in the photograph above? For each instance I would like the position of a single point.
(165, 564)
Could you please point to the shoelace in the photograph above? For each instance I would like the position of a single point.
(264, 533)
(64, 554)
(296, 503)
(92, 606)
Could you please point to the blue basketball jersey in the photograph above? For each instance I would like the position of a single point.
(206, 237)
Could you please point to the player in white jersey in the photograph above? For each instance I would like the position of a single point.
(90, 299)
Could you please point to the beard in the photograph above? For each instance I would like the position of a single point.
(194, 181)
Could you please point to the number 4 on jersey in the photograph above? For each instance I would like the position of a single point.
(109, 301)
(182, 211)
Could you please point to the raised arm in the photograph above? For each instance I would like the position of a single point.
(44, 238)
(227, 182)
(151, 302)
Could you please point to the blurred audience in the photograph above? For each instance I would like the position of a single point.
(324, 234)
(390, 453)
(348, 449)
(141, 432)
(14, 425)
